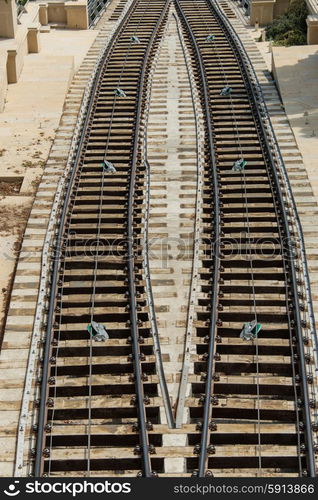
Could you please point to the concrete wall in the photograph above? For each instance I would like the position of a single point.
(265, 11)
(56, 12)
(73, 15)
(261, 12)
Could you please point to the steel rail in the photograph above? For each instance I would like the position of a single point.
(215, 247)
(151, 303)
(147, 472)
(241, 55)
(54, 279)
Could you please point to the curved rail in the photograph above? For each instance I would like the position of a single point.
(216, 239)
(247, 65)
(132, 293)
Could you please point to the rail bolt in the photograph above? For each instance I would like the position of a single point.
(154, 474)
(51, 381)
(135, 427)
(312, 403)
(206, 339)
(310, 379)
(213, 426)
(35, 427)
(53, 360)
(147, 400)
(37, 403)
(199, 426)
(142, 357)
(50, 402)
(308, 358)
(217, 356)
(209, 473)
(211, 449)
(149, 425)
(195, 473)
(302, 448)
(48, 427)
(139, 474)
(133, 400)
(205, 356)
(137, 450)
(33, 452)
(46, 452)
(197, 449)
(202, 399)
(314, 426)
(214, 400)
(218, 339)
(152, 449)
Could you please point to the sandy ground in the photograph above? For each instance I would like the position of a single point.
(296, 70)
(27, 128)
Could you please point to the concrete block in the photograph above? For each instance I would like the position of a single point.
(261, 12)
(12, 73)
(312, 29)
(77, 15)
(8, 18)
(33, 40)
(43, 14)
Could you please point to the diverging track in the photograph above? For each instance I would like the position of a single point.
(246, 405)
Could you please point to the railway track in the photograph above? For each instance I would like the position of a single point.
(246, 401)
(99, 400)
